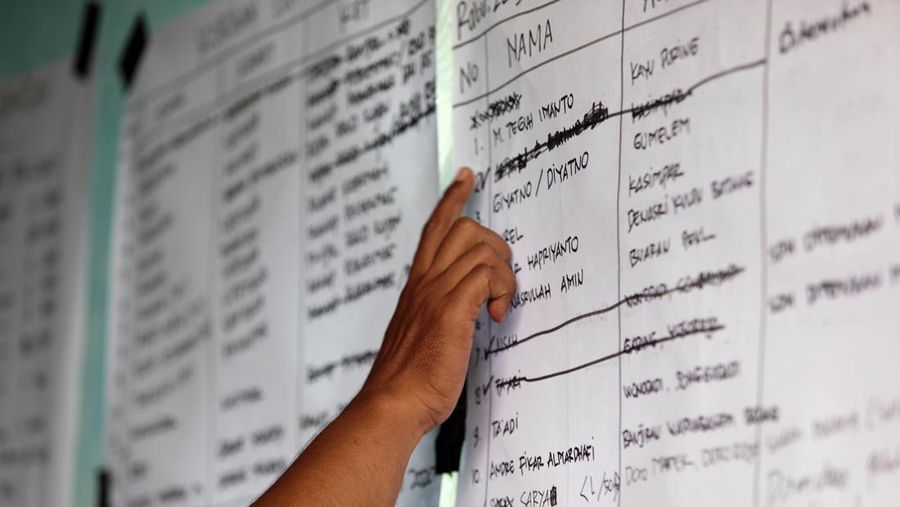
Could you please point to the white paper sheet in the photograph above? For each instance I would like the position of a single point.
(45, 145)
(236, 158)
(702, 200)
(369, 183)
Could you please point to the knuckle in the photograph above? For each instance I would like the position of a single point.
(466, 225)
(499, 240)
(510, 282)
(485, 253)
(483, 271)
(511, 276)
(505, 276)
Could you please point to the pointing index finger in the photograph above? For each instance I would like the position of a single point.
(448, 209)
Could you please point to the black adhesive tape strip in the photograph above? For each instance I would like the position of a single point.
(104, 484)
(87, 40)
(449, 442)
(130, 59)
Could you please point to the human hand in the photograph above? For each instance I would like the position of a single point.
(458, 266)
(419, 372)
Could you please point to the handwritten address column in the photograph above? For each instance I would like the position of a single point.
(369, 182)
(690, 232)
(256, 275)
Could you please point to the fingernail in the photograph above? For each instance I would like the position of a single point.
(462, 174)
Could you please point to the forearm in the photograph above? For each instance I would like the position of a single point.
(368, 444)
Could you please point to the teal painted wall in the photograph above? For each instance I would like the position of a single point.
(117, 19)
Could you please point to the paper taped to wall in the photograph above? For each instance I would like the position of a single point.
(702, 200)
(278, 161)
(45, 145)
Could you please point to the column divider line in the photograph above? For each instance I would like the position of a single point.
(619, 240)
(764, 271)
(211, 423)
(490, 322)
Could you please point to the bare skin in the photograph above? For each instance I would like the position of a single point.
(418, 375)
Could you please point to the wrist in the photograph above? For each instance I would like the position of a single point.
(401, 410)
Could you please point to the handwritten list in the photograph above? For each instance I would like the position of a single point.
(45, 120)
(701, 200)
(278, 161)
